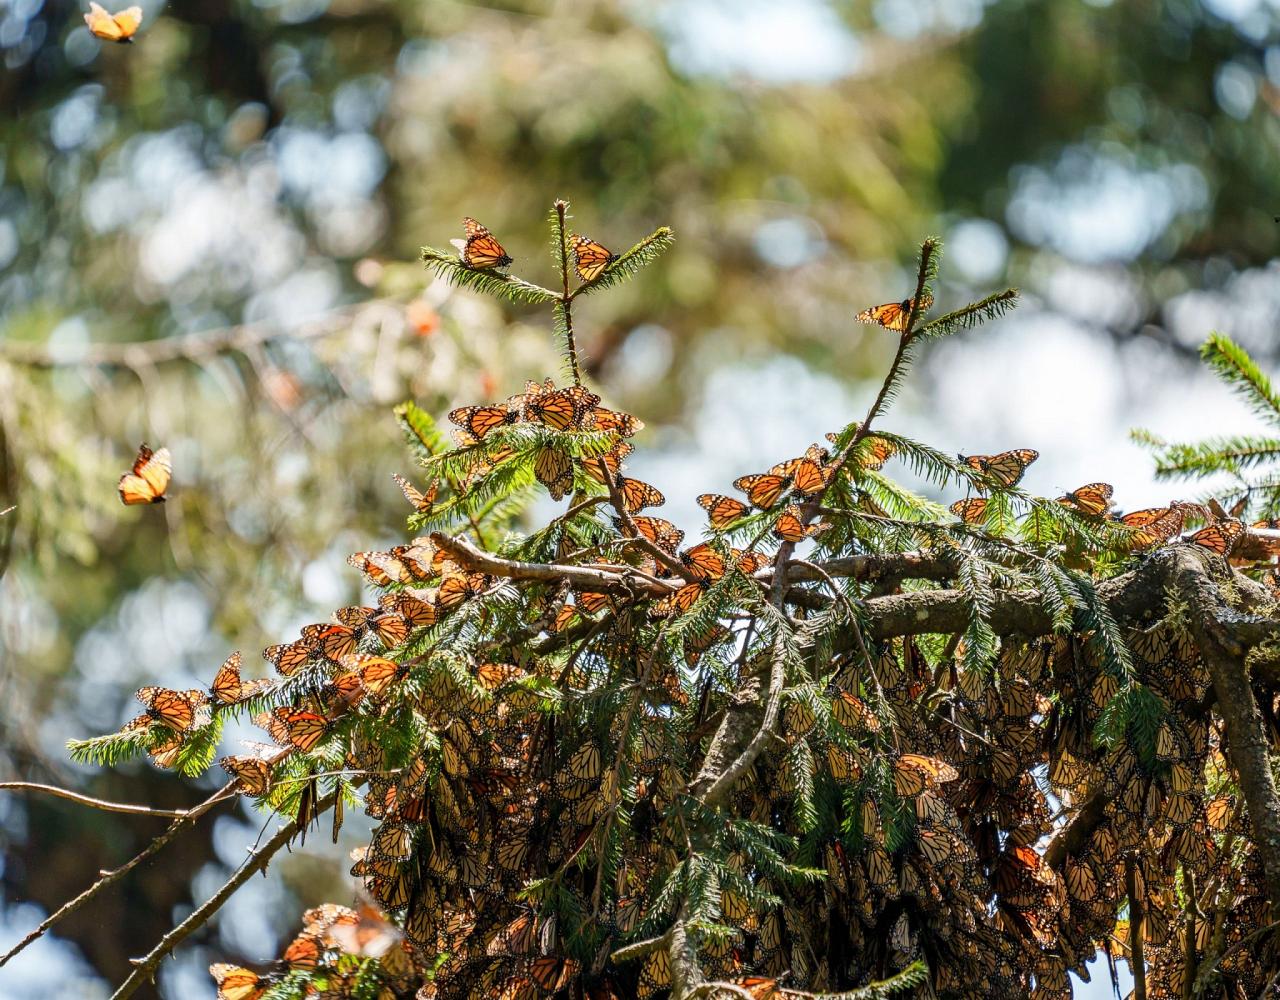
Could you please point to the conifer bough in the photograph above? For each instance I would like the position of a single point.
(929, 758)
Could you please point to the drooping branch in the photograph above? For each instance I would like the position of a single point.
(88, 800)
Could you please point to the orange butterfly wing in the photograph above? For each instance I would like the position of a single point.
(722, 511)
(636, 495)
(763, 489)
(481, 250)
(590, 259)
(970, 511)
(1092, 499)
(119, 27)
(148, 479)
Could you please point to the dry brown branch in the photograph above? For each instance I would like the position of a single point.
(86, 800)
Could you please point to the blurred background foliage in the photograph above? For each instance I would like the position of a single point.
(208, 240)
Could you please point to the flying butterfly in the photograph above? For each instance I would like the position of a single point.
(894, 315)
(1003, 470)
(118, 27)
(480, 250)
(589, 257)
(148, 478)
(1092, 499)
(970, 511)
(421, 500)
(722, 511)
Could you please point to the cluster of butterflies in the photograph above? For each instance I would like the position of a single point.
(570, 408)
(1149, 526)
(479, 251)
(334, 947)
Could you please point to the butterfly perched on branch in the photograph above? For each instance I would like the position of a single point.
(894, 315)
(480, 250)
(1091, 499)
(1004, 470)
(148, 479)
(589, 257)
(118, 27)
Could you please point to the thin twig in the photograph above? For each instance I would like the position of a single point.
(144, 968)
(566, 300)
(86, 800)
(109, 877)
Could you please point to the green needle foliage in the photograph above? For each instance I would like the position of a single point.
(809, 754)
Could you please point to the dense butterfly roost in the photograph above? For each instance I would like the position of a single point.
(951, 757)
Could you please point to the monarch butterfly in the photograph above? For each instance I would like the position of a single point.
(879, 868)
(894, 315)
(228, 688)
(763, 489)
(332, 642)
(458, 587)
(480, 250)
(288, 657)
(971, 511)
(759, 987)
(1219, 812)
(170, 708)
(660, 531)
(722, 511)
(119, 27)
(751, 562)
(416, 612)
(852, 712)
(1153, 525)
(790, 528)
(480, 420)
(149, 476)
(1081, 881)
(254, 773)
(604, 468)
(703, 562)
(302, 729)
(937, 846)
(422, 501)
(808, 477)
(874, 451)
(1219, 537)
(603, 419)
(560, 409)
(1003, 470)
(655, 974)
(636, 495)
(554, 470)
(236, 983)
(1092, 499)
(589, 258)
(519, 937)
(680, 600)
(303, 952)
(913, 773)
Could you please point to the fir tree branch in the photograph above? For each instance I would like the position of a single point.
(976, 313)
(487, 281)
(1234, 366)
(564, 309)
